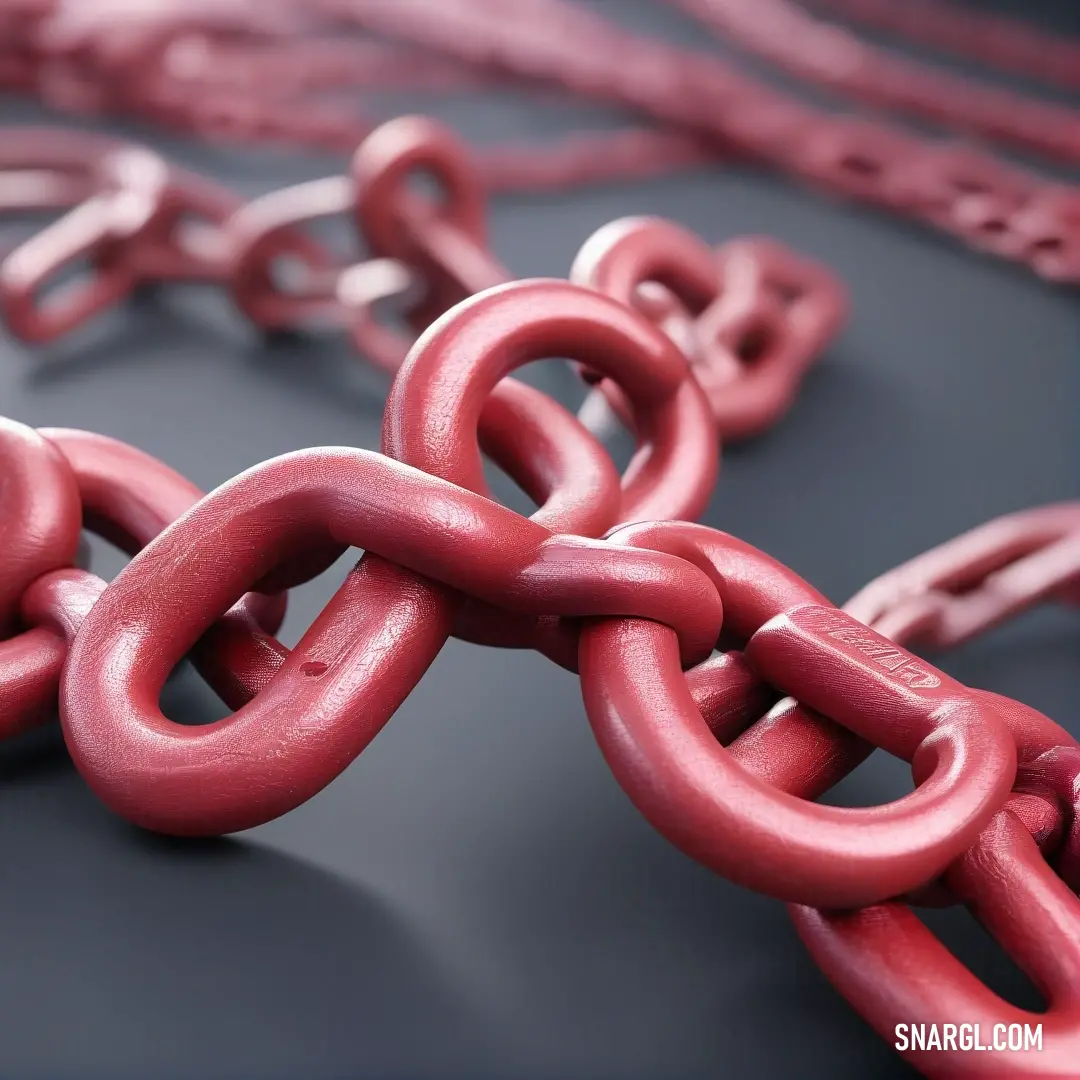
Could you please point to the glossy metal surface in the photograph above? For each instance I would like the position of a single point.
(883, 959)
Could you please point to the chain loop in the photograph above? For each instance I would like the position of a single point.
(265, 232)
(384, 622)
(718, 810)
(135, 228)
(750, 316)
(948, 595)
(118, 492)
(945, 597)
(889, 965)
(442, 240)
(40, 519)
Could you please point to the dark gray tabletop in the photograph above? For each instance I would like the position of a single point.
(475, 896)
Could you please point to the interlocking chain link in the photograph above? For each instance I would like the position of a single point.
(751, 316)
(162, 62)
(642, 604)
(963, 588)
(766, 313)
(700, 742)
(883, 959)
(722, 751)
(992, 206)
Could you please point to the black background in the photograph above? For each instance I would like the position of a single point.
(475, 896)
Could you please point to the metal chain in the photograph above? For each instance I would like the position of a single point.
(1009, 45)
(652, 595)
(944, 597)
(963, 588)
(679, 340)
(765, 314)
(708, 106)
(834, 58)
(994, 207)
(238, 73)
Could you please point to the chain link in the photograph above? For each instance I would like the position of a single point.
(165, 65)
(961, 589)
(943, 598)
(948, 187)
(830, 56)
(138, 220)
(723, 754)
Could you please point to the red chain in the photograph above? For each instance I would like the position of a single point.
(722, 753)
(765, 314)
(999, 42)
(833, 57)
(963, 588)
(751, 316)
(638, 606)
(883, 959)
(993, 206)
(58, 482)
(239, 76)
(652, 596)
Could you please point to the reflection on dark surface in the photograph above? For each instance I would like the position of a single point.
(127, 954)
